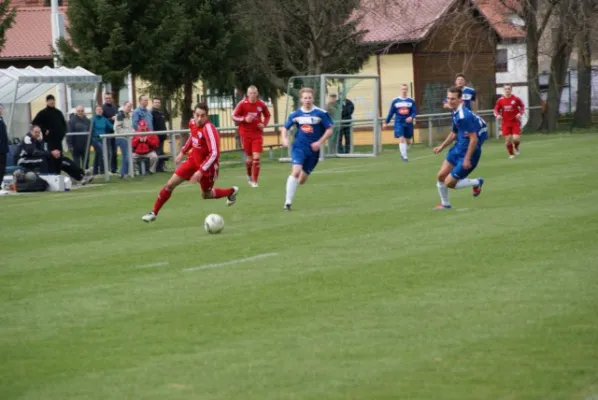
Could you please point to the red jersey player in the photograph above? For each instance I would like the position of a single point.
(201, 165)
(252, 115)
(510, 108)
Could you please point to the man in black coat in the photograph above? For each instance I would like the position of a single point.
(79, 122)
(159, 125)
(53, 127)
(3, 146)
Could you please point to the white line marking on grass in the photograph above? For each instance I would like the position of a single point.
(153, 265)
(231, 262)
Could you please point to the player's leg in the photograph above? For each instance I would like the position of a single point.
(516, 136)
(298, 157)
(406, 141)
(457, 179)
(184, 172)
(208, 191)
(507, 134)
(256, 153)
(400, 134)
(443, 173)
(248, 157)
(74, 171)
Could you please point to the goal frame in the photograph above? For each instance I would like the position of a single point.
(332, 152)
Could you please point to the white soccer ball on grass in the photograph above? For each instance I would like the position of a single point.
(214, 223)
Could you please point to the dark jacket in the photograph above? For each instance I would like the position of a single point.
(159, 120)
(109, 111)
(30, 148)
(3, 137)
(348, 110)
(77, 124)
(51, 119)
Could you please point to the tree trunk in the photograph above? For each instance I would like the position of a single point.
(186, 112)
(115, 87)
(532, 42)
(583, 108)
(561, 53)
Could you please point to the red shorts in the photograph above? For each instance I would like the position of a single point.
(253, 144)
(511, 128)
(190, 167)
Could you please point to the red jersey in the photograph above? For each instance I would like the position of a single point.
(259, 111)
(509, 107)
(205, 142)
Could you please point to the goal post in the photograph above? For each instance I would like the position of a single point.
(355, 135)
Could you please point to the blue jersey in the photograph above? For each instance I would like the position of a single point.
(311, 125)
(466, 122)
(468, 95)
(401, 109)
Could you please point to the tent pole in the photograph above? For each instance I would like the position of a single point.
(14, 105)
(95, 93)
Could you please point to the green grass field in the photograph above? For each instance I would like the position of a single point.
(362, 292)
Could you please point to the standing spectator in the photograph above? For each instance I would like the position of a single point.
(100, 126)
(144, 146)
(53, 126)
(159, 120)
(3, 148)
(78, 122)
(124, 124)
(109, 110)
(346, 115)
(142, 113)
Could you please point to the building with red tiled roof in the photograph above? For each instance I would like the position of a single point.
(29, 41)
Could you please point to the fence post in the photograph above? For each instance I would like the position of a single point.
(430, 133)
(105, 159)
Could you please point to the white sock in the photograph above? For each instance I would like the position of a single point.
(465, 183)
(443, 192)
(291, 187)
(403, 149)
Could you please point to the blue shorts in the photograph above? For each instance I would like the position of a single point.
(306, 157)
(456, 160)
(404, 130)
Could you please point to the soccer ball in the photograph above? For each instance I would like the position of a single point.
(214, 223)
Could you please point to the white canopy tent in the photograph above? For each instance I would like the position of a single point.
(24, 85)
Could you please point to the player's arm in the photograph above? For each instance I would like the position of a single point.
(390, 114)
(213, 152)
(266, 114)
(413, 112)
(284, 131)
(521, 108)
(329, 125)
(238, 116)
(449, 139)
(498, 109)
(474, 102)
(473, 142)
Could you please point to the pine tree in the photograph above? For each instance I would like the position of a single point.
(7, 19)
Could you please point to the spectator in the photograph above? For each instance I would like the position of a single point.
(53, 125)
(109, 110)
(32, 155)
(3, 148)
(78, 122)
(346, 114)
(124, 125)
(144, 146)
(142, 113)
(100, 126)
(159, 120)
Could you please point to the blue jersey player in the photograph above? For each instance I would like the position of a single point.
(469, 94)
(314, 127)
(470, 132)
(404, 110)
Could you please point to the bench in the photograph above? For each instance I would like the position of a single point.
(143, 163)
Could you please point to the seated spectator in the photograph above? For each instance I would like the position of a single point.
(122, 125)
(144, 146)
(101, 126)
(31, 155)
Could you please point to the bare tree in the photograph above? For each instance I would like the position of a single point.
(583, 109)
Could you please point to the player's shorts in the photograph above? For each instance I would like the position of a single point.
(404, 130)
(252, 144)
(456, 160)
(189, 167)
(511, 128)
(306, 157)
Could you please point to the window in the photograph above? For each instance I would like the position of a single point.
(502, 61)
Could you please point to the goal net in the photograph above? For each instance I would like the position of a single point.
(354, 106)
